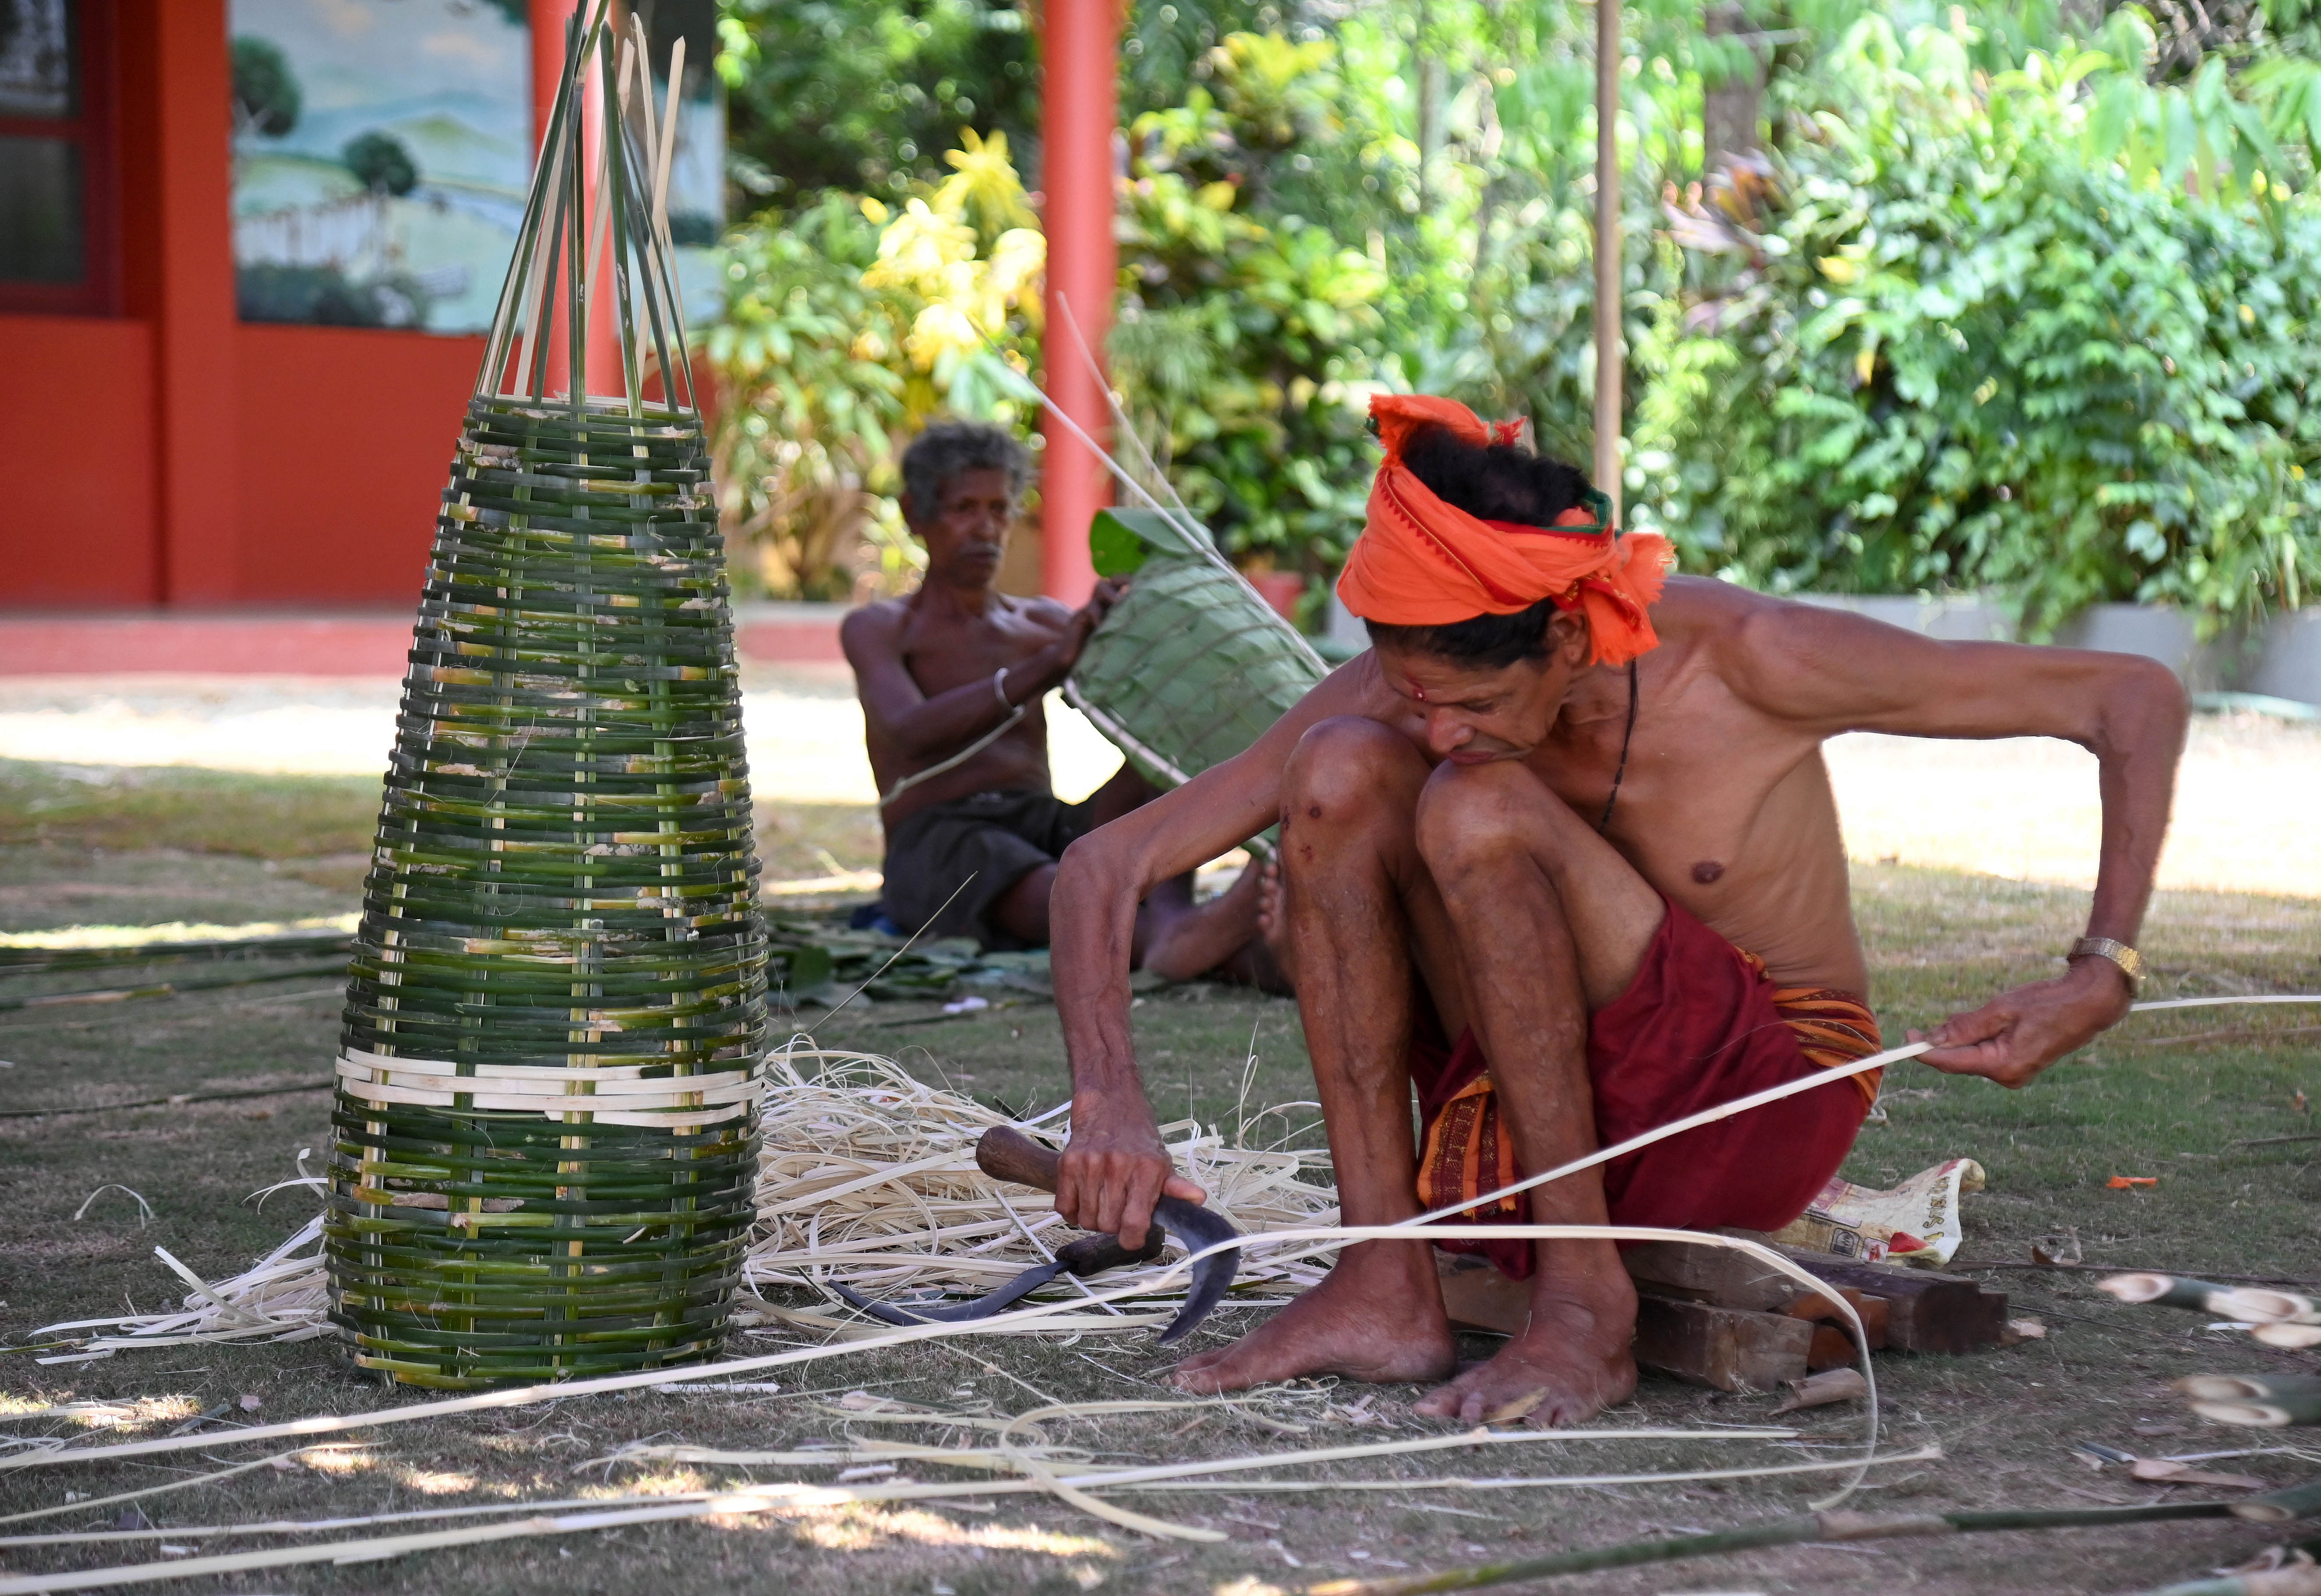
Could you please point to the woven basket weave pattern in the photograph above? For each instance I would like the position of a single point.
(559, 930)
(1192, 665)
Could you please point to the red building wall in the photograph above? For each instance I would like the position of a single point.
(167, 453)
(343, 440)
(77, 516)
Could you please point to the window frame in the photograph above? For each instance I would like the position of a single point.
(95, 128)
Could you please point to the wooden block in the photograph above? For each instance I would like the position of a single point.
(1707, 1273)
(1832, 1348)
(1477, 1297)
(1727, 1348)
(1925, 1310)
(1872, 1311)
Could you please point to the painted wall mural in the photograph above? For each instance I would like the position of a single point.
(382, 150)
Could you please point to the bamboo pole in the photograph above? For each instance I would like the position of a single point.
(2292, 1579)
(1784, 1532)
(1607, 253)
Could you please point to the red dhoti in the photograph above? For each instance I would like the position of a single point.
(1700, 1025)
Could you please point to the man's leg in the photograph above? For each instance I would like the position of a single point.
(1175, 937)
(1022, 912)
(1550, 923)
(1356, 901)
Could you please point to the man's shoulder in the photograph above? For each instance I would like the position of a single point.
(877, 623)
(1753, 640)
(1704, 611)
(1708, 610)
(1038, 606)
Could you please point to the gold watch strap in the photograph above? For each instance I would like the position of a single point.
(2130, 962)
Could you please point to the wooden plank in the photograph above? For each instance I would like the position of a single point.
(1726, 1348)
(1872, 1309)
(1925, 1310)
(1477, 1297)
(1706, 1274)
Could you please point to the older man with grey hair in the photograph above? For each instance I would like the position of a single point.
(951, 680)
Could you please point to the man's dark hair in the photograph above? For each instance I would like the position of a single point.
(948, 448)
(1498, 483)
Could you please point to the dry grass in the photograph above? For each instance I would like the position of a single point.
(2007, 1419)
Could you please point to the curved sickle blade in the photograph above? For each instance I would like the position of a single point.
(1197, 1227)
(983, 1307)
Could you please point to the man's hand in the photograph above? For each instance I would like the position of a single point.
(1114, 1170)
(2018, 1034)
(1050, 666)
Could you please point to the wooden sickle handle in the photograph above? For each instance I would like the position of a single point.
(1007, 1154)
(1093, 1255)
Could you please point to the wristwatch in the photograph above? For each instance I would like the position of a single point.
(2130, 962)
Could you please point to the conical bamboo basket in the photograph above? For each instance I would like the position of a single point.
(1191, 665)
(544, 1133)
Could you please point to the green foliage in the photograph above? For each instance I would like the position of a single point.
(266, 98)
(2018, 297)
(381, 163)
(862, 96)
(1962, 355)
(809, 393)
(1246, 330)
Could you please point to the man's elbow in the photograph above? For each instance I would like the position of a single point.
(1087, 864)
(2146, 710)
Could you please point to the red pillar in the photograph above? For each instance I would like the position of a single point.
(176, 136)
(548, 18)
(1079, 112)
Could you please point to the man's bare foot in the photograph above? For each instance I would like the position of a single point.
(1377, 1316)
(1219, 939)
(1573, 1361)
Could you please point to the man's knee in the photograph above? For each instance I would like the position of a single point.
(1471, 815)
(1347, 770)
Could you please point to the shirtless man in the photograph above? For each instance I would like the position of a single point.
(950, 681)
(1544, 815)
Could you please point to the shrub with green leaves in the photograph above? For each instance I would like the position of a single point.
(808, 393)
(1243, 324)
(1959, 353)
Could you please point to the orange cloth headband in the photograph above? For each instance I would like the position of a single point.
(1421, 562)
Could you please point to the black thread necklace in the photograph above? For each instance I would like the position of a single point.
(1625, 737)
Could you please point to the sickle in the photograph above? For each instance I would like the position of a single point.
(1011, 1156)
(1089, 1254)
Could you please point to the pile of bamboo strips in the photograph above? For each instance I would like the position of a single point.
(867, 1178)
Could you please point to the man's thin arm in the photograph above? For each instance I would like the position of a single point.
(1832, 672)
(1114, 1168)
(919, 727)
(1838, 673)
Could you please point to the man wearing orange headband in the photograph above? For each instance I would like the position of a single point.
(1559, 854)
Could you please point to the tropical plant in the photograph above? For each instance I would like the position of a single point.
(844, 331)
(1248, 330)
(1959, 353)
(2008, 296)
(862, 96)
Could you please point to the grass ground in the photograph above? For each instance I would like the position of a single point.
(2170, 1096)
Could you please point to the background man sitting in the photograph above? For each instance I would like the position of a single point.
(950, 680)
